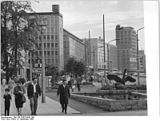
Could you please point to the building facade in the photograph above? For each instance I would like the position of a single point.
(126, 42)
(73, 47)
(95, 54)
(51, 36)
(142, 61)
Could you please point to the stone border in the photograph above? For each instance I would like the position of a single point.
(112, 105)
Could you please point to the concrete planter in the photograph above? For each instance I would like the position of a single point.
(112, 104)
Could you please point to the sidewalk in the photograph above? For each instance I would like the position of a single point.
(51, 107)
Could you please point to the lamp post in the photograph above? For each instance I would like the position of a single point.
(138, 78)
(104, 49)
(43, 65)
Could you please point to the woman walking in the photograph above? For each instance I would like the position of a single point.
(19, 96)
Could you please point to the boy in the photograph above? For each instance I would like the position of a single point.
(7, 98)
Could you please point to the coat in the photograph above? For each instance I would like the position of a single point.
(64, 94)
(30, 90)
(18, 96)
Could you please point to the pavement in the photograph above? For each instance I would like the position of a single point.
(51, 107)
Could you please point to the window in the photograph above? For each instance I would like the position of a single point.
(56, 44)
(48, 44)
(48, 52)
(44, 44)
(52, 52)
(44, 36)
(56, 53)
(40, 53)
(52, 36)
(52, 44)
(40, 37)
(48, 37)
(40, 44)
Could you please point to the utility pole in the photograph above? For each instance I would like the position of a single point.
(138, 75)
(30, 55)
(104, 49)
(89, 50)
(108, 57)
(43, 67)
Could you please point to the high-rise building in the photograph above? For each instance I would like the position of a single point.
(126, 48)
(52, 37)
(73, 47)
(142, 61)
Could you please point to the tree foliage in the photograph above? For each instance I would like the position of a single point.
(52, 71)
(75, 67)
(18, 33)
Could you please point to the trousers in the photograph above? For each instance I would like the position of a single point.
(34, 104)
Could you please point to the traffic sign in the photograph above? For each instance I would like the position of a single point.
(37, 70)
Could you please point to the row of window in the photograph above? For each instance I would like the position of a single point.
(48, 37)
(47, 53)
(49, 45)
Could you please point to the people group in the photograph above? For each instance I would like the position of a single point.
(19, 88)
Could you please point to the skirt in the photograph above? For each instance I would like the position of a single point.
(18, 101)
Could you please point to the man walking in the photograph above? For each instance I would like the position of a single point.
(63, 91)
(33, 91)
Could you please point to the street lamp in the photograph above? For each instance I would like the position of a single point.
(138, 57)
(104, 49)
(43, 65)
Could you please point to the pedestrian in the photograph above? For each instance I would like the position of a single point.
(79, 83)
(63, 91)
(20, 99)
(33, 91)
(3, 83)
(7, 99)
(11, 85)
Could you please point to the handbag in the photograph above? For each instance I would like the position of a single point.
(23, 99)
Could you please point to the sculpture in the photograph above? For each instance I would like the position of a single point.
(122, 80)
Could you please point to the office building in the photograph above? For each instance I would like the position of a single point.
(52, 37)
(73, 47)
(95, 54)
(126, 48)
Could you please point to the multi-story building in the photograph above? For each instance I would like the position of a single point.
(126, 48)
(142, 61)
(95, 54)
(73, 47)
(51, 37)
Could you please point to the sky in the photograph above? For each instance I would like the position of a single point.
(82, 16)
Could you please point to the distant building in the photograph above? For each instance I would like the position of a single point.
(73, 47)
(126, 48)
(95, 54)
(52, 37)
(142, 61)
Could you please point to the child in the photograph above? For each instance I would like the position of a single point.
(7, 98)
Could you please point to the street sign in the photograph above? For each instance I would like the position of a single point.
(37, 70)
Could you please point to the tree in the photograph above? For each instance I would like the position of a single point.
(18, 33)
(75, 67)
(53, 71)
